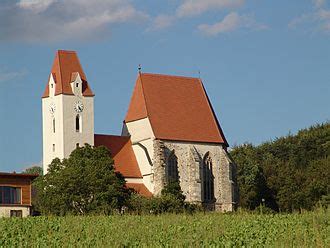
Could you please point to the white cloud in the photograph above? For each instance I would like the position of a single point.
(231, 22)
(197, 7)
(318, 20)
(191, 8)
(35, 5)
(6, 75)
(319, 3)
(324, 14)
(57, 20)
(161, 22)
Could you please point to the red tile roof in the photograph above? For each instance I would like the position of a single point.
(122, 153)
(178, 108)
(140, 188)
(18, 175)
(65, 67)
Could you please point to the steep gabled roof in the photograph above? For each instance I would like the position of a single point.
(65, 67)
(122, 153)
(178, 108)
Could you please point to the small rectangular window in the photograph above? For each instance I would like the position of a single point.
(77, 84)
(53, 147)
(52, 85)
(16, 213)
(77, 145)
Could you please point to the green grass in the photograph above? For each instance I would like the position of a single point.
(309, 229)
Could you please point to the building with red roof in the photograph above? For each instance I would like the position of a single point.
(15, 194)
(170, 133)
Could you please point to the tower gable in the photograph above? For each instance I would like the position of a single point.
(66, 63)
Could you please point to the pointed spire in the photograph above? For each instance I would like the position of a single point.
(66, 63)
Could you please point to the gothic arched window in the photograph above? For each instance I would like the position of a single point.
(172, 168)
(208, 179)
(78, 127)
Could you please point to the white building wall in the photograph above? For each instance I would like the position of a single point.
(5, 210)
(142, 138)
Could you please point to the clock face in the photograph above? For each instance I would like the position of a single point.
(52, 108)
(78, 107)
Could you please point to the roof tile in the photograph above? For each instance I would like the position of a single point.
(178, 108)
(122, 153)
(66, 63)
(140, 188)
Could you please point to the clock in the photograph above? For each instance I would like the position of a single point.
(52, 108)
(79, 107)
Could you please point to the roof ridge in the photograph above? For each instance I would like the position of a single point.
(168, 75)
(60, 70)
(66, 51)
(215, 119)
(112, 135)
(144, 97)
(146, 105)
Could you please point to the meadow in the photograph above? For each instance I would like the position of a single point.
(308, 229)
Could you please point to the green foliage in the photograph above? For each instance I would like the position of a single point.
(34, 170)
(84, 183)
(290, 173)
(172, 200)
(174, 189)
(309, 229)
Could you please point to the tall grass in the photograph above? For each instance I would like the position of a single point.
(242, 229)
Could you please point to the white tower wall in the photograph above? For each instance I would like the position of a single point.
(65, 138)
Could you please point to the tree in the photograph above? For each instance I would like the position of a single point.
(290, 173)
(84, 183)
(33, 170)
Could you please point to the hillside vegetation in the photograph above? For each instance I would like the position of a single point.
(287, 174)
(309, 229)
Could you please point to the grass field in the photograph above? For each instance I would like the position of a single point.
(310, 229)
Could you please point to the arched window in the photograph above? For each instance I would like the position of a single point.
(172, 168)
(53, 125)
(208, 179)
(78, 126)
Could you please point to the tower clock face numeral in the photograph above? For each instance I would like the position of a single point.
(79, 107)
(52, 108)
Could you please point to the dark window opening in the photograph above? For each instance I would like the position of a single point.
(208, 179)
(53, 147)
(172, 168)
(54, 125)
(77, 123)
(77, 84)
(16, 213)
(10, 195)
(77, 145)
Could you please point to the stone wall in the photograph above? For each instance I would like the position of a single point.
(190, 166)
(159, 163)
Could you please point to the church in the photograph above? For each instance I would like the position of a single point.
(170, 133)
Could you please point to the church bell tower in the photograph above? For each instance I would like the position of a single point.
(67, 109)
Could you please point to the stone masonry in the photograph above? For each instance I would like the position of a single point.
(190, 158)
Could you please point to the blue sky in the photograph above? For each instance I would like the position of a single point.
(265, 64)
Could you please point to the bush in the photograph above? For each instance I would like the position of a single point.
(172, 200)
